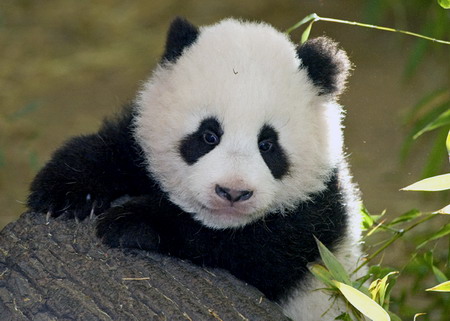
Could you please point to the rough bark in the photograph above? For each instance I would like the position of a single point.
(58, 270)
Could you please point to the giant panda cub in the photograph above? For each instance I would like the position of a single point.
(231, 156)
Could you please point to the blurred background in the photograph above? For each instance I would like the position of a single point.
(64, 65)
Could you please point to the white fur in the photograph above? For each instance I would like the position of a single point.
(246, 75)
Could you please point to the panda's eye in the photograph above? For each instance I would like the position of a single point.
(265, 145)
(210, 138)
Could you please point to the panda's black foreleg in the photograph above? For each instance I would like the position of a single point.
(130, 225)
(87, 173)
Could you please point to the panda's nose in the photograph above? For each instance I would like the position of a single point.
(233, 195)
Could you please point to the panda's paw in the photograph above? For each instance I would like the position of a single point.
(127, 226)
(65, 202)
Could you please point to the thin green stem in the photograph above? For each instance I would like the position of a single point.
(396, 236)
(314, 17)
(381, 249)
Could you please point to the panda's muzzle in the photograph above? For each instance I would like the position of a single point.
(233, 195)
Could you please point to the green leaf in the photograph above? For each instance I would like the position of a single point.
(428, 102)
(445, 230)
(431, 184)
(439, 275)
(394, 317)
(320, 272)
(336, 269)
(418, 315)
(367, 219)
(344, 317)
(436, 155)
(441, 120)
(308, 18)
(363, 303)
(406, 217)
(445, 210)
(444, 4)
(379, 289)
(432, 105)
(379, 272)
(305, 34)
(443, 287)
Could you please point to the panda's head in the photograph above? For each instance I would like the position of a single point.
(237, 122)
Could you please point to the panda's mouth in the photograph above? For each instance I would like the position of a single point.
(242, 212)
(223, 217)
(228, 211)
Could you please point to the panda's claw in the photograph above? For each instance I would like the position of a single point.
(92, 213)
(48, 216)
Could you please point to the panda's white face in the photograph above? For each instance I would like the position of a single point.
(234, 129)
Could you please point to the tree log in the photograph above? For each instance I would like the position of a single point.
(59, 270)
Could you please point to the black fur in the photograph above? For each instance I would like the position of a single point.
(326, 64)
(275, 158)
(181, 35)
(193, 146)
(271, 254)
(88, 172)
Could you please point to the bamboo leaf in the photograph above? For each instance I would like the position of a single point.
(441, 120)
(305, 34)
(320, 272)
(442, 287)
(394, 317)
(336, 269)
(445, 210)
(431, 184)
(427, 102)
(437, 105)
(367, 219)
(418, 315)
(439, 275)
(344, 317)
(380, 289)
(374, 289)
(363, 303)
(444, 4)
(308, 18)
(445, 230)
(437, 155)
(406, 217)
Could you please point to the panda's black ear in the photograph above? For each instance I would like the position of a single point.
(181, 34)
(327, 65)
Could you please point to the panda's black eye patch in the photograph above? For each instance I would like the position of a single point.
(202, 141)
(272, 153)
